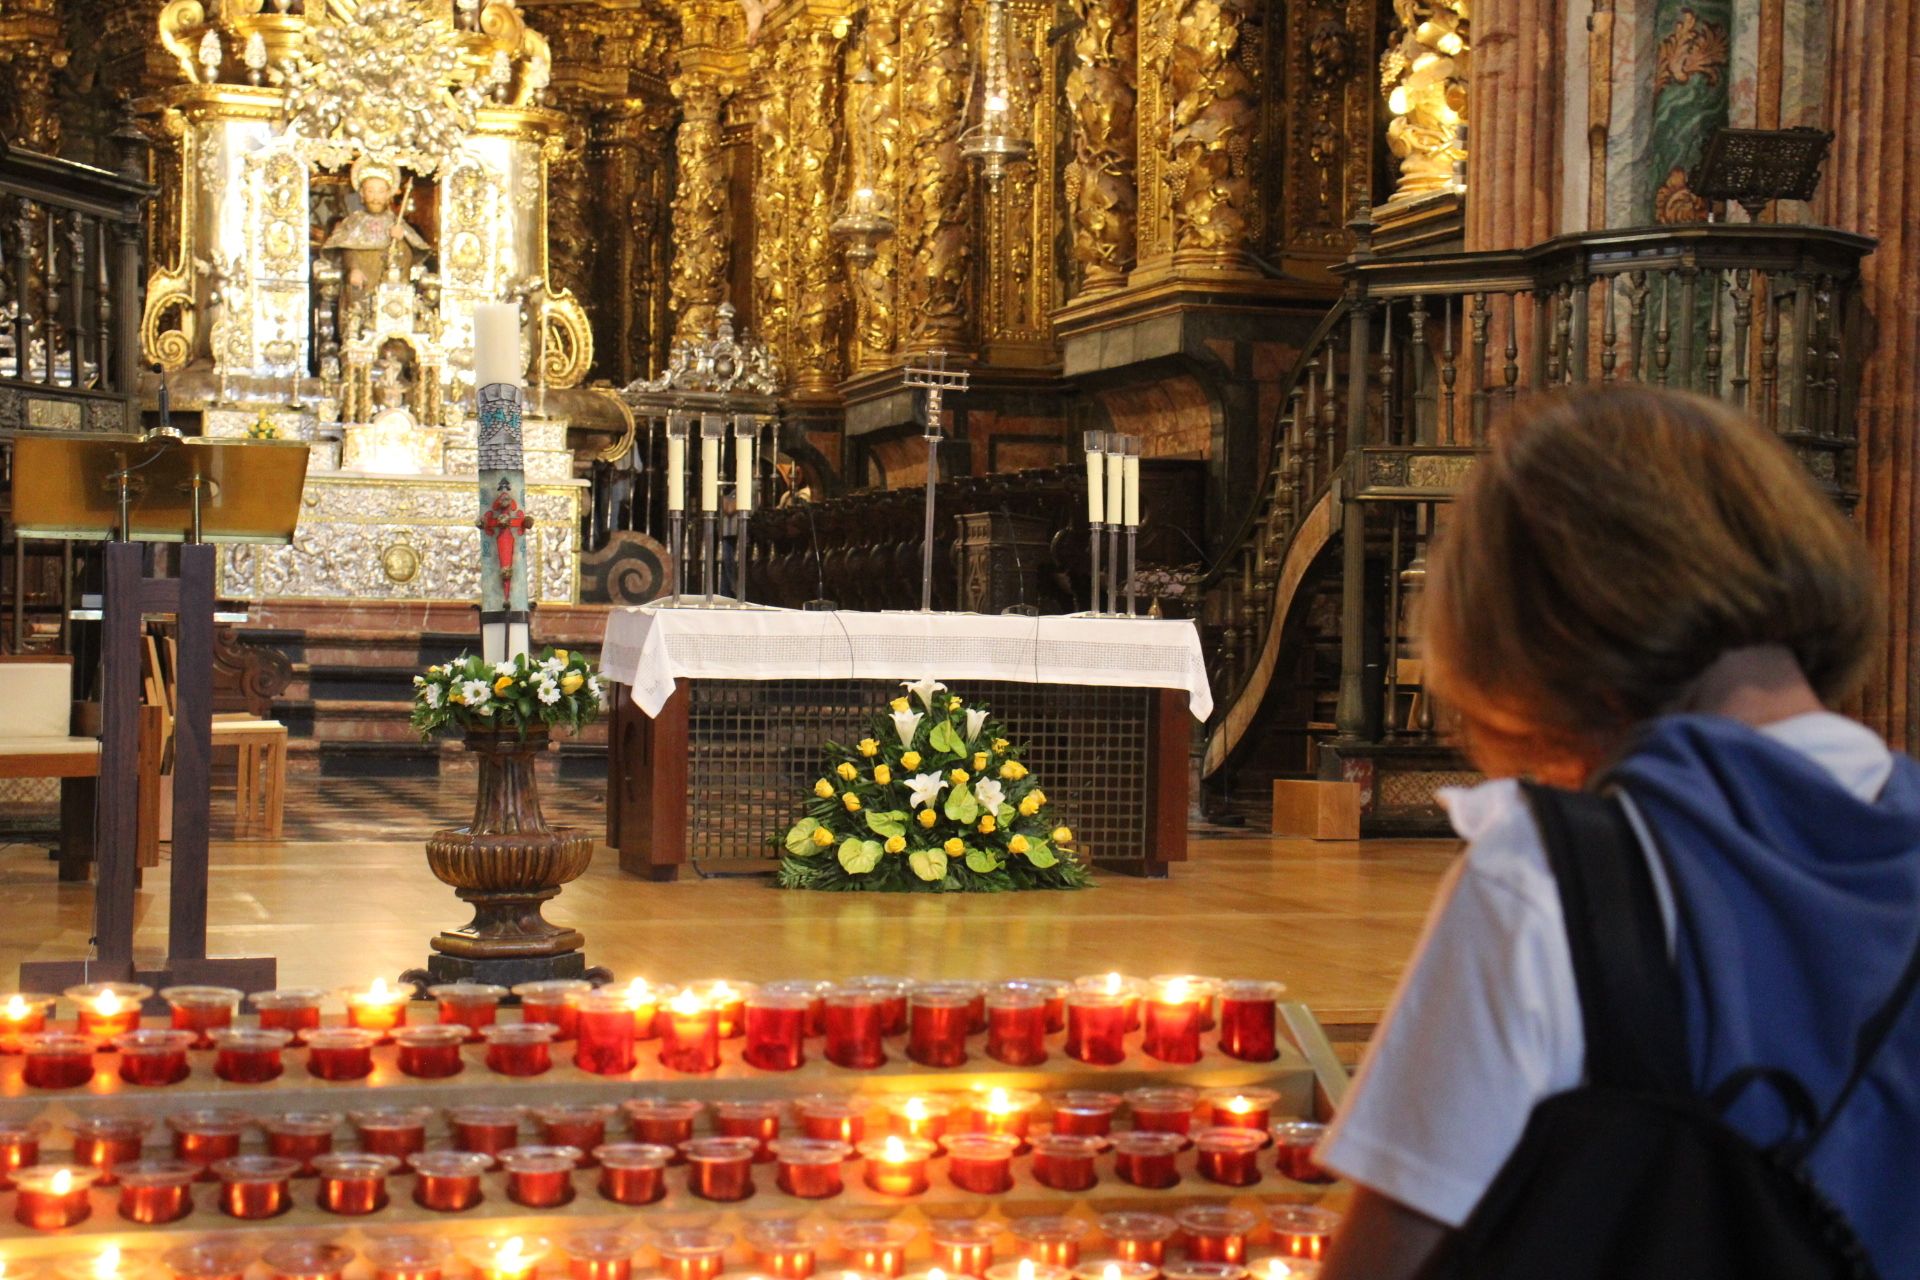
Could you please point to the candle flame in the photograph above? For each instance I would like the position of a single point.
(1277, 1269)
(17, 1011)
(107, 1265)
(508, 1255)
(62, 1183)
(935, 1273)
(107, 1005)
(1114, 984)
(894, 1152)
(1026, 1269)
(720, 991)
(639, 992)
(1000, 1104)
(687, 1002)
(1112, 1272)
(916, 1109)
(1175, 992)
(378, 993)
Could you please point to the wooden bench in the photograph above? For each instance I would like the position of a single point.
(36, 741)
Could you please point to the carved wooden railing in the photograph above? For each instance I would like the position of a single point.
(1394, 397)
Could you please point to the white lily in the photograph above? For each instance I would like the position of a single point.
(990, 794)
(924, 788)
(976, 721)
(923, 690)
(906, 724)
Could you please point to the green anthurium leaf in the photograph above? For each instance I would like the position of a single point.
(928, 864)
(799, 841)
(984, 861)
(891, 823)
(859, 856)
(962, 806)
(1040, 853)
(944, 738)
(1006, 816)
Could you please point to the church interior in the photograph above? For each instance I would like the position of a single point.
(607, 424)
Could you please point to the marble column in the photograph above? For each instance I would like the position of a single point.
(1513, 148)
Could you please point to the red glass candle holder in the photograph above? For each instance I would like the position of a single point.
(153, 1057)
(815, 995)
(644, 1000)
(430, 1052)
(981, 1162)
(22, 1013)
(1200, 991)
(1008, 1111)
(1064, 1161)
(633, 1173)
(877, 1248)
(485, 1127)
(776, 1029)
(1085, 1112)
(1016, 1025)
(1293, 1147)
(1125, 990)
(52, 1197)
(1096, 1027)
(1302, 1230)
(379, 1008)
(1216, 1233)
(255, 1187)
(107, 1009)
(1249, 1019)
(666, 1122)
(1147, 1159)
(249, 1055)
(300, 1136)
(690, 1035)
(757, 1120)
(1188, 1270)
(856, 1021)
(392, 1131)
(546, 1003)
(692, 1253)
(891, 994)
(833, 1119)
(448, 1181)
(204, 1136)
(505, 1258)
(471, 1005)
(1171, 1024)
(540, 1177)
(1163, 1108)
(784, 1248)
(937, 1020)
(56, 1060)
(220, 1258)
(520, 1048)
(103, 1143)
(604, 1027)
(293, 1009)
(810, 1168)
(201, 1009)
(1242, 1109)
(341, 1053)
(963, 1246)
(1230, 1157)
(1053, 999)
(1027, 1269)
(1139, 1238)
(897, 1166)
(728, 1000)
(19, 1147)
(1116, 1269)
(353, 1183)
(720, 1168)
(307, 1260)
(1050, 1241)
(918, 1116)
(599, 1255)
(156, 1191)
(407, 1257)
(581, 1125)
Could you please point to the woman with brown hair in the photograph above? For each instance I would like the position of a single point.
(1641, 593)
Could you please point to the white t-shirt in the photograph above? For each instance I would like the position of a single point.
(1486, 1023)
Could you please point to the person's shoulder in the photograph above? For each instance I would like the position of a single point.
(1504, 853)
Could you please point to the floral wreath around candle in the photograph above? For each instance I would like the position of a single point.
(935, 800)
(559, 687)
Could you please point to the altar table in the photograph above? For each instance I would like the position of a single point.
(719, 718)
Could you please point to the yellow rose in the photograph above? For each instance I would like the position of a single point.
(1063, 835)
(955, 847)
(1039, 796)
(503, 684)
(560, 654)
(823, 789)
(954, 704)
(979, 762)
(911, 760)
(957, 777)
(822, 837)
(898, 704)
(882, 774)
(869, 748)
(571, 682)
(1017, 845)
(929, 818)
(1010, 770)
(987, 824)
(1001, 744)
(852, 802)
(896, 844)
(458, 697)
(847, 772)
(1029, 805)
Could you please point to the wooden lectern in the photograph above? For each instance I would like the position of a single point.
(130, 490)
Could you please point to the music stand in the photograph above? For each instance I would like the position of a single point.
(126, 490)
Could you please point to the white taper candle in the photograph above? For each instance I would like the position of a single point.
(743, 471)
(710, 473)
(496, 343)
(1131, 513)
(1116, 482)
(1096, 494)
(676, 472)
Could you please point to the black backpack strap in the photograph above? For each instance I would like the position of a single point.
(1629, 994)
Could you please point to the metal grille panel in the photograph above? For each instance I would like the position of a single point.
(754, 751)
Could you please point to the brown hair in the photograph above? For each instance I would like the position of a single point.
(1612, 544)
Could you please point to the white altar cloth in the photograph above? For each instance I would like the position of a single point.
(648, 647)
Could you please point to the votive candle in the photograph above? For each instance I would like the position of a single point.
(1249, 1019)
(918, 1116)
(728, 1000)
(341, 1053)
(201, 1009)
(937, 1021)
(153, 1057)
(540, 1177)
(1118, 985)
(757, 1120)
(1199, 989)
(1087, 1112)
(1138, 1238)
(1016, 1025)
(220, 1258)
(581, 1125)
(407, 1257)
(599, 1255)
(448, 1181)
(512, 1258)
(379, 1008)
(897, 1166)
(547, 1002)
(1116, 1269)
(892, 996)
(250, 1055)
(1096, 1026)
(104, 1142)
(307, 1260)
(1172, 1026)
(300, 1136)
(1189, 1270)
(1216, 1233)
(720, 1169)
(1146, 1159)
(1053, 996)
(52, 1197)
(692, 1253)
(106, 1009)
(810, 1168)
(605, 1030)
(667, 1122)
(1243, 1109)
(1050, 1241)
(1163, 1108)
(963, 1246)
(814, 993)
(19, 1147)
(204, 1136)
(22, 1013)
(471, 1005)
(294, 1009)
(156, 1191)
(1293, 1147)
(56, 1060)
(776, 1029)
(783, 1248)
(1027, 1269)
(354, 1183)
(633, 1173)
(981, 1162)
(1229, 1156)
(1064, 1161)
(1302, 1230)
(430, 1052)
(392, 1131)
(488, 1128)
(690, 1035)
(877, 1248)
(856, 1021)
(520, 1048)
(1008, 1111)
(833, 1119)
(643, 1001)
(255, 1187)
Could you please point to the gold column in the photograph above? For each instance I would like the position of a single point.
(32, 49)
(1424, 73)
(1100, 180)
(815, 322)
(770, 69)
(1210, 123)
(873, 105)
(935, 232)
(701, 232)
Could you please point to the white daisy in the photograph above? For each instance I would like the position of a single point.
(477, 693)
(549, 692)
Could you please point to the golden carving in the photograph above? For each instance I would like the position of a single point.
(700, 230)
(773, 65)
(567, 341)
(814, 335)
(1424, 75)
(935, 234)
(875, 183)
(1100, 181)
(181, 24)
(1212, 120)
(33, 49)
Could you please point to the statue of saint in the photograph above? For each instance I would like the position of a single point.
(375, 241)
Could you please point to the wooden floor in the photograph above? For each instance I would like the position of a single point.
(1336, 922)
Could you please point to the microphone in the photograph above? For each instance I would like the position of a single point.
(1020, 609)
(820, 603)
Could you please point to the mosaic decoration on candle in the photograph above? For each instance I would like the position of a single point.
(935, 800)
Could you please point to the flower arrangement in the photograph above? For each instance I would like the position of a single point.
(262, 428)
(557, 688)
(934, 799)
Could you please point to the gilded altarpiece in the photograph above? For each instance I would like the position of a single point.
(1020, 287)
